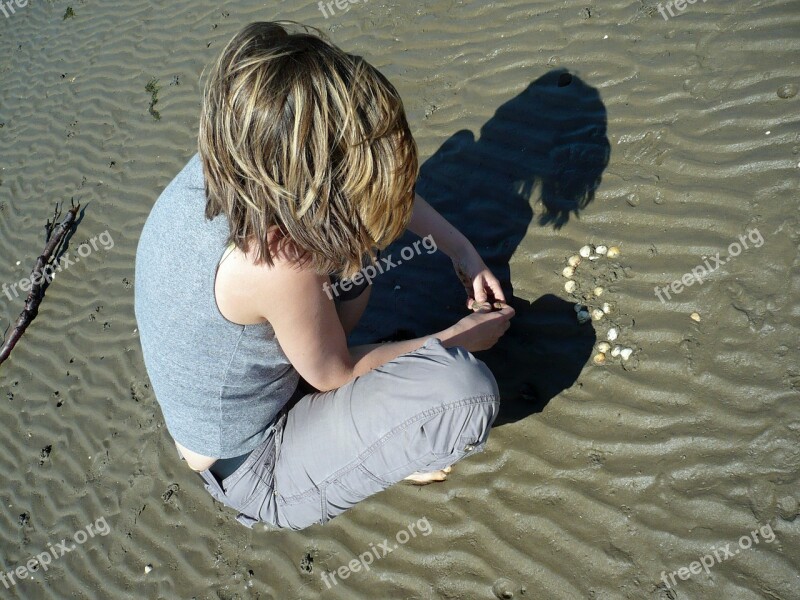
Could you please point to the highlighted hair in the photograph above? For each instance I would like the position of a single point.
(299, 135)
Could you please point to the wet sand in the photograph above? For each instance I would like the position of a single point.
(543, 126)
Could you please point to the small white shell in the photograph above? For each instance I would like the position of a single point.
(613, 252)
(599, 359)
(583, 317)
(616, 350)
(574, 261)
(585, 251)
(597, 314)
(625, 353)
(568, 272)
(601, 250)
(578, 307)
(604, 347)
(594, 257)
(598, 291)
(606, 307)
(570, 286)
(612, 334)
(695, 316)
(148, 568)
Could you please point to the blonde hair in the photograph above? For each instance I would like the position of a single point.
(299, 135)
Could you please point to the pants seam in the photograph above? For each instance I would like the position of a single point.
(361, 458)
(369, 474)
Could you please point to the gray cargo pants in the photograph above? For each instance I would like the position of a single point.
(423, 411)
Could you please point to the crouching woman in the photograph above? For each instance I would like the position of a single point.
(306, 170)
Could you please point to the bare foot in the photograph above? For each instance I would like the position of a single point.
(418, 478)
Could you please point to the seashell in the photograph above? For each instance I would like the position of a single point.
(594, 257)
(480, 306)
(574, 261)
(598, 291)
(570, 286)
(503, 588)
(578, 307)
(568, 272)
(787, 91)
(616, 350)
(604, 347)
(612, 334)
(695, 317)
(585, 251)
(625, 353)
(601, 250)
(606, 308)
(599, 359)
(583, 317)
(613, 252)
(148, 568)
(597, 314)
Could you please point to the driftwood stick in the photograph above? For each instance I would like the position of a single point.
(54, 237)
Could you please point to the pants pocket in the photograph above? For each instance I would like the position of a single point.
(255, 477)
(300, 512)
(348, 490)
(460, 431)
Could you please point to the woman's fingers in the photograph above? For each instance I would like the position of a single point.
(479, 290)
(485, 285)
(494, 285)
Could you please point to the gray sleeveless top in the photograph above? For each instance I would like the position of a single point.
(219, 384)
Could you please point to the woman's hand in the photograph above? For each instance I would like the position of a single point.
(479, 282)
(480, 330)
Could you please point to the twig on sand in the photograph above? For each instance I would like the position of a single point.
(55, 236)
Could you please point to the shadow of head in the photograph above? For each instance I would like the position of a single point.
(547, 146)
(556, 130)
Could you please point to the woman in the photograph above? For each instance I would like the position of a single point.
(306, 169)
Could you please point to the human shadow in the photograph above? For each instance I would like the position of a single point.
(541, 355)
(545, 148)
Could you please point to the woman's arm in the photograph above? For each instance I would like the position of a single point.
(479, 282)
(309, 331)
(425, 220)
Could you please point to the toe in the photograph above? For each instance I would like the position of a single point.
(426, 478)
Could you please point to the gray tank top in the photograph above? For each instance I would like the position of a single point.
(219, 385)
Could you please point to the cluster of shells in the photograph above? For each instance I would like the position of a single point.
(605, 348)
(584, 314)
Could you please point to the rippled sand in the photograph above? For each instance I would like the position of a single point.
(544, 126)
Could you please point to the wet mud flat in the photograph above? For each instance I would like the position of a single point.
(543, 127)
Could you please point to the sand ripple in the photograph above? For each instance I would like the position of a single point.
(670, 140)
